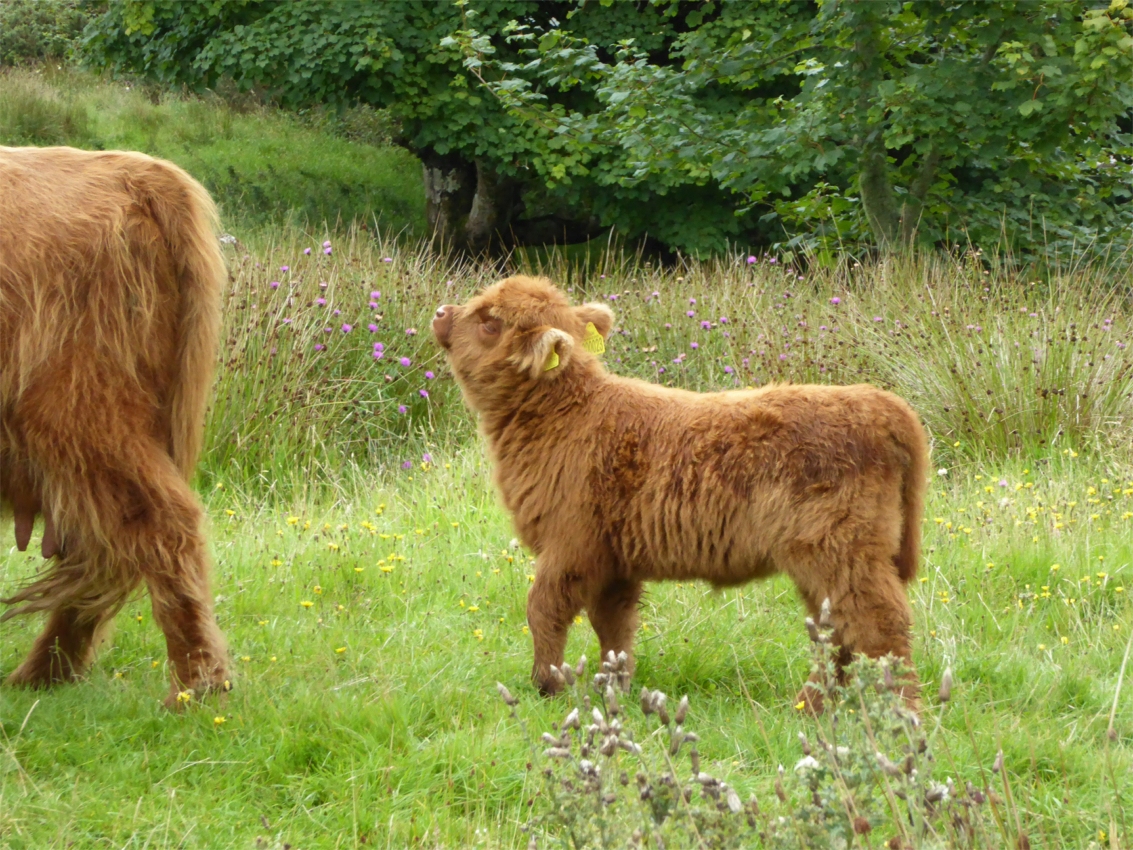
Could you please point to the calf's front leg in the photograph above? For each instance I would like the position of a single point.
(553, 602)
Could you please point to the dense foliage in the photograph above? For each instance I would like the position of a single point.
(37, 30)
(802, 123)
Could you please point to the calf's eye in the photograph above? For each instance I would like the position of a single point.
(490, 328)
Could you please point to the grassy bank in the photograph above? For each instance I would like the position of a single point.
(261, 165)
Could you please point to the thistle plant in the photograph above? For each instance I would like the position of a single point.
(871, 769)
(867, 776)
(604, 787)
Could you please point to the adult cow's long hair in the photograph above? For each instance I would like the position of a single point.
(110, 280)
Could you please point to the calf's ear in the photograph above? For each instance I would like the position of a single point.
(599, 315)
(543, 351)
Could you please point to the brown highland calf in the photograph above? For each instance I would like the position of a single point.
(110, 280)
(613, 481)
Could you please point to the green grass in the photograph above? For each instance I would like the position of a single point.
(401, 740)
(261, 165)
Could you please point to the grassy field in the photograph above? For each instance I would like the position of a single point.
(371, 595)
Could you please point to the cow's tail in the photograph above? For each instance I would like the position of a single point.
(914, 441)
(189, 222)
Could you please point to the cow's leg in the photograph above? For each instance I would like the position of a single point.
(126, 514)
(172, 558)
(553, 602)
(613, 614)
(65, 649)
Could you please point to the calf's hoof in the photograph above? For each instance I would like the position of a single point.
(811, 700)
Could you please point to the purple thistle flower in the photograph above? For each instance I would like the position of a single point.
(322, 302)
(751, 261)
(694, 345)
(401, 408)
(373, 328)
(327, 250)
(274, 284)
(727, 370)
(1002, 482)
(387, 259)
(347, 328)
(427, 458)
(378, 355)
(327, 330)
(411, 331)
(877, 318)
(373, 305)
(407, 465)
(782, 356)
(690, 313)
(379, 346)
(835, 300)
(285, 268)
(307, 251)
(668, 326)
(287, 321)
(692, 301)
(406, 362)
(319, 346)
(424, 393)
(723, 320)
(429, 376)
(707, 325)
(773, 261)
(656, 294)
(322, 284)
(375, 295)
(337, 313)
(326, 244)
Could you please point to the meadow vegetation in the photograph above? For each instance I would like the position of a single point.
(372, 596)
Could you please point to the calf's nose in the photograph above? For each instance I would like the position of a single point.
(442, 323)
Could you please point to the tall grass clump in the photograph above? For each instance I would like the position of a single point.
(329, 363)
(32, 112)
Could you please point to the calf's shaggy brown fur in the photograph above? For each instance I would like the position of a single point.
(613, 481)
(110, 279)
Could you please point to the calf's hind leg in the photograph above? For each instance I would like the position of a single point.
(870, 614)
(613, 614)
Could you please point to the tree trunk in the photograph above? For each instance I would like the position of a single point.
(449, 186)
(878, 198)
(469, 207)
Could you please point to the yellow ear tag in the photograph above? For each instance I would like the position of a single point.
(552, 361)
(592, 340)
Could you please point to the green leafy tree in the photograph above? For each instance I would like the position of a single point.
(903, 121)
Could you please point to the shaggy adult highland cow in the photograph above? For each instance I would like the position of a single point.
(110, 278)
(613, 481)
